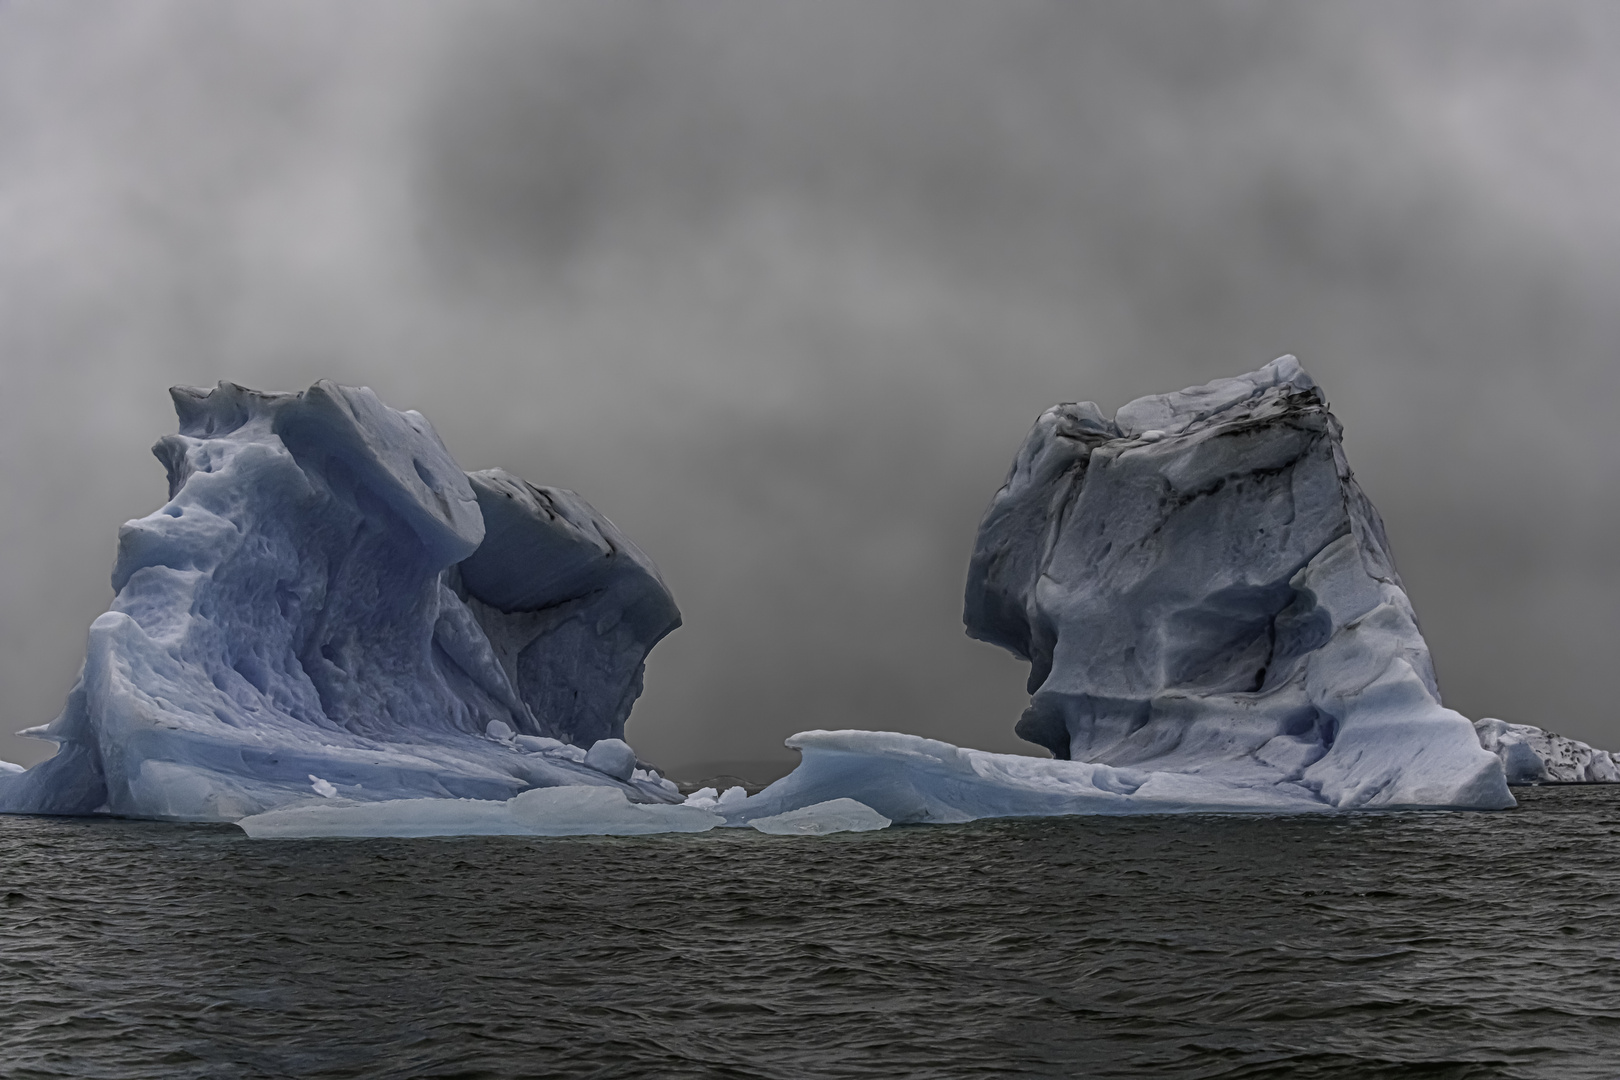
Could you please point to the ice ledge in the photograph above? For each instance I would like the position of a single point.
(909, 779)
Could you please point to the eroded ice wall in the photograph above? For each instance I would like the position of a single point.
(1200, 586)
(327, 606)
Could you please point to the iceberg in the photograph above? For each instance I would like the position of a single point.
(327, 610)
(329, 629)
(1532, 755)
(1212, 620)
(823, 818)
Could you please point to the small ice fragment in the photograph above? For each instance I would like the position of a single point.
(537, 744)
(322, 788)
(703, 797)
(1151, 435)
(819, 819)
(613, 757)
(7, 766)
(731, 796)
(499, 730)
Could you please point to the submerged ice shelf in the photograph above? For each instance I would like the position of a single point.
(1531, 755)
(330, 630)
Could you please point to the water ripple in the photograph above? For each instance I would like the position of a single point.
(1454, 946)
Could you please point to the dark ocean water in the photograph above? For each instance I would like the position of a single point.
(1399, 945)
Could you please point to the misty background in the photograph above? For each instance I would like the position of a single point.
(780, 287)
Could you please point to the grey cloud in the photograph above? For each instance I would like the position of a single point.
(779, 287)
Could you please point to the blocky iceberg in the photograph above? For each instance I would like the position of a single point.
(1531, 755)
(1212, 620)
(328, 607)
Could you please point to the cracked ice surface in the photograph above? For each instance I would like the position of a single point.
(328, 608)
(1212, 619)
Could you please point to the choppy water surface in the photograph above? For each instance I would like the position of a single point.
(1403, 945)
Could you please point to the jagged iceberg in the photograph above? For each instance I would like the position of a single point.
(823, 818)
(1531, 755)
(328, 607)
(1212, 620)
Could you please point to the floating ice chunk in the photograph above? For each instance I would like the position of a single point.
(326, 593)
(819, 819)
(558, 811)
(9, 767)
(1532, 755)
(612, 757)
(732, 796)
(322, 788)
(703, 797)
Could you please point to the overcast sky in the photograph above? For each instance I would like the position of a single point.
(780, 287)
